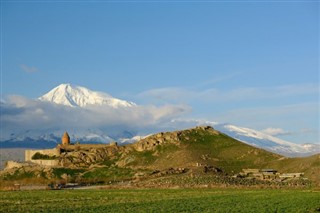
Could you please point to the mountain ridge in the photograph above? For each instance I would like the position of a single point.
(268, 142)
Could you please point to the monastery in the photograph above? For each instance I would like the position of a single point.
(50, 157)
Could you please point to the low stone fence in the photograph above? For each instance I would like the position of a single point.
(46, 162)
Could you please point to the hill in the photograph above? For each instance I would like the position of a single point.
(200, 152)
(192, 147)
(310, 166)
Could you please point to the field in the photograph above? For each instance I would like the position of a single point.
(161, 200)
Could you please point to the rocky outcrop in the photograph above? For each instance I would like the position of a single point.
(84, 158)
(13, 164)
(169, 171)
(151, 142)
(212, 169)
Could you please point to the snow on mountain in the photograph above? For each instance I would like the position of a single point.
(131, 140)
(51, 137)
(267, 142)
(95, 136)
(76, 96)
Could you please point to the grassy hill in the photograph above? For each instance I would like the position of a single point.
(197, 146)
(203, 146)
(310, 166)
(169, 157)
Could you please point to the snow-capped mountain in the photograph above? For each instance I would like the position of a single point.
(80, 98)
(76, 96)
(268, 142)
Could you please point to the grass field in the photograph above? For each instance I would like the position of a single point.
(161, 200)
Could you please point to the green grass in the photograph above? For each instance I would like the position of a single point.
(19, 174)
(38, 155)
(224, 152)
(71, 172)
(165, 200)
(106, 174)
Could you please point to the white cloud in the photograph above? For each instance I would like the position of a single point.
(28, 69)
(275, 131)
(20, 113)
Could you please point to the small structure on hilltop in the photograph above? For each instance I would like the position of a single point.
(47, 157)
(65, 140)
(54, 157)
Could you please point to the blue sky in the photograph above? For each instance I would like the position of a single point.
(254, 64)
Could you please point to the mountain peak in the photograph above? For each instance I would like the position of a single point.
(77, 96)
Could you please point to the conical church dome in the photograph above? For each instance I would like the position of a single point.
(65, 140)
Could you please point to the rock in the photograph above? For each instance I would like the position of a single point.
(13, 164)
(213, 169)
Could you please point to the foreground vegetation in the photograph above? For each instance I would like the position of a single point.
(161, 200)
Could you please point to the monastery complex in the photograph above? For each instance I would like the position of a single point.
(50, 157)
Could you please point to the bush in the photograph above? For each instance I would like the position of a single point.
(38, 156)
(58, 172)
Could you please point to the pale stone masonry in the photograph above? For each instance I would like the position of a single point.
(50, 152)
(65, 141)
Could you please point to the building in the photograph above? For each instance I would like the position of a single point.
(51, 155)
(268, 174)
(291, 175)
(65, 140)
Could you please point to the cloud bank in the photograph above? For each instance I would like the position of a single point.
(275, 131)
(20, 113)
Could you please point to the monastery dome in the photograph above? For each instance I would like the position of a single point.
(65, 140)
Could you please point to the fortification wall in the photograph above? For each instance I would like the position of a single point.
(46, 162)
(13, 164)
(51, 152)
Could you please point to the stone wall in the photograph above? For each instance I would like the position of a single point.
(13, 164)
(51, 152)
(46, 162)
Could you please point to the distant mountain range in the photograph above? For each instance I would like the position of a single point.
(82, 98)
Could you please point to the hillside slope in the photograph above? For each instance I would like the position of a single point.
(200, 152)
(199, 147)
(195, 147)
(310, 166)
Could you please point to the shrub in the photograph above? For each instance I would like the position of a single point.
(38, 156)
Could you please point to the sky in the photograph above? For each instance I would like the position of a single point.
(250, 63)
